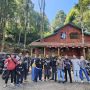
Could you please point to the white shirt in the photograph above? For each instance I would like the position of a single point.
(76, 63)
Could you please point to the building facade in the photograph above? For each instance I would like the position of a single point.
(66, 40)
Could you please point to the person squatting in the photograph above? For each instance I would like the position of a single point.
(48, 68)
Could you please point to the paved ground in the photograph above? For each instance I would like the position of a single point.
(48, 85)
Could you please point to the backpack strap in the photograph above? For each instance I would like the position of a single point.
(14, 61)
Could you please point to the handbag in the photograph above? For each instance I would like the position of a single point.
(4, 73)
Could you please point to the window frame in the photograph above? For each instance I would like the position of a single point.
(74, 35)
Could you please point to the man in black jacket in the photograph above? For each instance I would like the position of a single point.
(53, 67)
(67, 67)
(47, 68)
(26, 63)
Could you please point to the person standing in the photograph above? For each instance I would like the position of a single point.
(33, 66)
(60, 69)
(67, 68)
(20, 73)
(37, 69)
(47, 68)
(53, 67)
(76, 68)
(26, 63)
(83, 63)
(11, 69)
(40, 67)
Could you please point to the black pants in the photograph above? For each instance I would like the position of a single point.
(46, 74)
(69, 72)
(54, 73)
(13, 78)
(25, 74)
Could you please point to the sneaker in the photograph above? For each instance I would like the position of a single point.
(12, 84)
(17, 85)
(5, 85)
(59, 81)
(89, 82)
(21, 85)
(82, 81)
(63, 82)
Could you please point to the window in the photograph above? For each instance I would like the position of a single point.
(74, 35)
(63, 35)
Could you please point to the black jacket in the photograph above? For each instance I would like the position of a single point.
(20, 69)
(53, 62)
(47, 64)
(26, 62)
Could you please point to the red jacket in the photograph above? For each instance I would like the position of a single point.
(11, 64)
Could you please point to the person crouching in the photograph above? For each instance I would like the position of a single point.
(20, 71)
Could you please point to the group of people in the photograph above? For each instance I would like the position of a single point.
(57, 68)
(51, 68)
(17, 68)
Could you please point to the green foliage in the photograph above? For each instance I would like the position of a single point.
(19, 17)
(59, 19)
(80, 9)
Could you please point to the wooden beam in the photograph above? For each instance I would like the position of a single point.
(58, 51)
(44, 51)
(31, 51)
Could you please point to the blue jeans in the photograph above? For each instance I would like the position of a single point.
(36, 73)
(76, 75)
(33, 73)
(60, 74)
(83, 70)
(40, 74)
(19, 79)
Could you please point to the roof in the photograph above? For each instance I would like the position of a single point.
(56, 44)
(87, 33)
(71, 24)
(56, 31)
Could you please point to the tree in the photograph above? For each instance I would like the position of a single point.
(59, 19)
(6, 12)
(76, 12)
(19, 22)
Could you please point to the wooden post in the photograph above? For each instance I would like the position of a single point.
(84, 52)
(31, 51)
(58, 51)
(44, 51)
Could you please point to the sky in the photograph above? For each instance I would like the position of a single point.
(53, 6)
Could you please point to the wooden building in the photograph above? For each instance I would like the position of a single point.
(64, 40)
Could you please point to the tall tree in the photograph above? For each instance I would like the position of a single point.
(78, 12)
(59, 19)
(19, 22)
